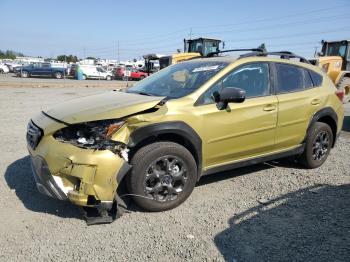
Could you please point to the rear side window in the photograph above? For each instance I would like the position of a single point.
(307, 80)
(289, 78)
(316, 78)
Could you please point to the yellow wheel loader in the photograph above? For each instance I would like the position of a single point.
(193, 48)
(334, 59)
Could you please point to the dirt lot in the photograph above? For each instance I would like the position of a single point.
(267, 212)
(11, 80)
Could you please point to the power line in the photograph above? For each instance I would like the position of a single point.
(304, 22)
(275, 18)
(265, 28)
(341, 29)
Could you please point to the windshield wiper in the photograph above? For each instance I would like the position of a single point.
(140, 93)
(144, 94)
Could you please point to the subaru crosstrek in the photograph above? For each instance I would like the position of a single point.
(191, 119)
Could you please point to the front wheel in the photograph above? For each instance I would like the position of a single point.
(163, 176)
(108, 78)
(24, 74)
(318, 145)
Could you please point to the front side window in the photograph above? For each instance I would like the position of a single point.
(252, 78)
(178, 80)
(289, 78)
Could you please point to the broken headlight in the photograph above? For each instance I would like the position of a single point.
(93, 135)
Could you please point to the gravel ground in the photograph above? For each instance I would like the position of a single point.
(11, 80)
(267, 212)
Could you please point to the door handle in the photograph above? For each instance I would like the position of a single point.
(315, 102)
(269, 107)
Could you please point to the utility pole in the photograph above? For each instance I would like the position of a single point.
(315, 54)
(190, 33)
(118, 51)
(84, 53)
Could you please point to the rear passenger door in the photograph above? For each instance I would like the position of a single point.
(298, 99)
(247, 129)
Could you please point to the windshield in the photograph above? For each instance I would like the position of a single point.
(336, 49)
(178, 80)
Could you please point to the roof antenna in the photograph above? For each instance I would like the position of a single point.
(263, 48)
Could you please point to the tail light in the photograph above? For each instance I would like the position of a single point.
(325, 67)
(340, 94)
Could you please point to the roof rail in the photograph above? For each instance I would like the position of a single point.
(261, 51)
(235, 50)
(281, 54)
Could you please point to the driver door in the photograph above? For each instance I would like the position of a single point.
(243, 130)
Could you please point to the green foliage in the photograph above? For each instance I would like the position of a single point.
(90, 57)
(67, 58)
(9, 54)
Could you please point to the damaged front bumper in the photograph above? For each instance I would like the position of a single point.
(86, 177)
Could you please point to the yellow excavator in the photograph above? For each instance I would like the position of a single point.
(334, 59)
(193, 48)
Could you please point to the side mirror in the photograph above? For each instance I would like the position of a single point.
(228, 95)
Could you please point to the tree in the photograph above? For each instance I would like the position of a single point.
(9, 54)
(68, 59)
(90, 57)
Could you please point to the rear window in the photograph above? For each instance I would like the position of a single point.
(307, 79)
(292, 78)
(316, 78)
(289, 78)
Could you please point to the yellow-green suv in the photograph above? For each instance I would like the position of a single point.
(188, 120)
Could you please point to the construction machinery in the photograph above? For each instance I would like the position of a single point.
(334, 59)
(193, 48)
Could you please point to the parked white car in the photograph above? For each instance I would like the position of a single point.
(95, 72)
(4, 69)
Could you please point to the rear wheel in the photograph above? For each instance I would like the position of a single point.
(84, 77)
(344, 85)
(108, 78)
(163, 176)
(58, 75)
(1, 71)
(318, 145)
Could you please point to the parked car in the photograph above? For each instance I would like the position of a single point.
(191, 119)
(134, 74)
(12, 66)
(95, 72)
(4, 69)
(41, 69)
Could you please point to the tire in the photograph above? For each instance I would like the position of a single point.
(142, 77)
(1, 71)
(84, 77)
(316, 148)
(344, 85)
(24, 74)
(108, 78)
(149, 167)
(58, 75)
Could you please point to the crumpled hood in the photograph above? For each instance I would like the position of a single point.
(107, 105)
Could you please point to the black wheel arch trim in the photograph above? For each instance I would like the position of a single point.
(179, 128)
(327, 111)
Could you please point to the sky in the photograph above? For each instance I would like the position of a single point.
(94, 28)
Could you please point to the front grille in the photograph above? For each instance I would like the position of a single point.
(34, 134)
